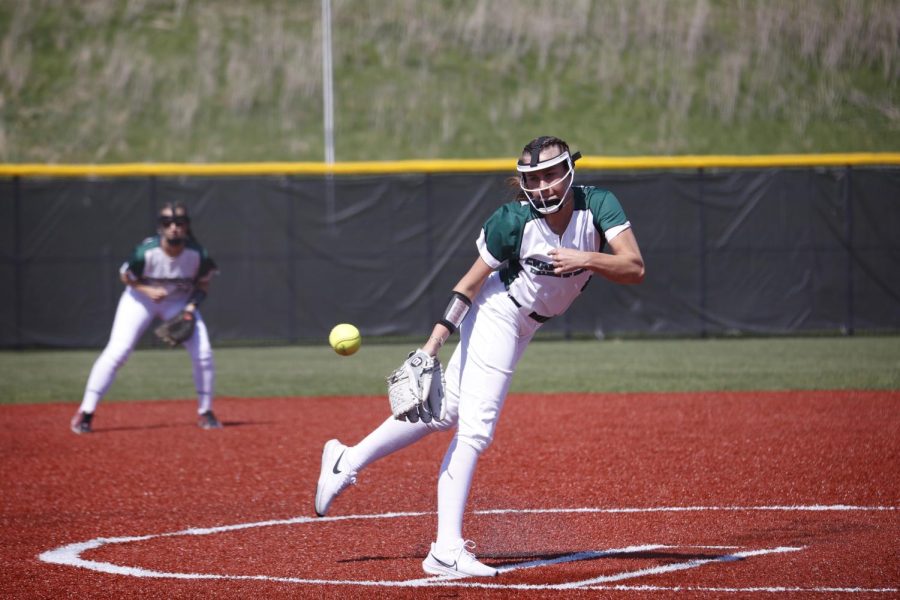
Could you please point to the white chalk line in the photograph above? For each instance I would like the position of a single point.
(439, 581)
(70, 554)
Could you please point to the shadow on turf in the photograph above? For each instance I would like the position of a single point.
(531, 556)
(646, 555)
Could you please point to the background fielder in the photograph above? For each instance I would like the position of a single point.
(535, 256)
(167, 274)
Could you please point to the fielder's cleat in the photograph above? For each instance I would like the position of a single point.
(81, 422)
(208, 420)
(332, 480)
(456, 562)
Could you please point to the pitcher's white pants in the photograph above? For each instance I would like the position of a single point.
(133, 315)
(492, 340)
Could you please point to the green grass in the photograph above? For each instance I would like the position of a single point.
(548, 366)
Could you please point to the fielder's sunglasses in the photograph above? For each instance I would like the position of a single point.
(180, 220)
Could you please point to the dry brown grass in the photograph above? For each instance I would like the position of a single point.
(103, 79)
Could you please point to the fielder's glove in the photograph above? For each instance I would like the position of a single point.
(416, 389)
(178, 329)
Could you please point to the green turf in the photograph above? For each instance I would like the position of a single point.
(548, 366)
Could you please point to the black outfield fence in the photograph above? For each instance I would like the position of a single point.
(733, 245)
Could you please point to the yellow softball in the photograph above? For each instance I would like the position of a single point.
(345, 339)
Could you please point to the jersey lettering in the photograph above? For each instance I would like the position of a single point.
(539, 267)
(517, 241)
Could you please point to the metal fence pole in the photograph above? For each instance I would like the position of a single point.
(328, 112)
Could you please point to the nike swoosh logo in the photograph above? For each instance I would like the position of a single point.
(334, 469)
(448, 565)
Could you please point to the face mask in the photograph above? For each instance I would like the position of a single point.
(546, 205)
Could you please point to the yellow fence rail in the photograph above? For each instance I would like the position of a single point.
(602, 163)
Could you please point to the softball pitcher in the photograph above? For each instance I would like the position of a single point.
(167, 277)
(535, 256)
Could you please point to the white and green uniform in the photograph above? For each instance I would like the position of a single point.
(150, 264)
(517, 241)
(177, 274)
(521, 294)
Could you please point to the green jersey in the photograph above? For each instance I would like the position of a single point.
(178, 274)
(517, 240)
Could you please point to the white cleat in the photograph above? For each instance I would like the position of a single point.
(332, 481)
(456, 562)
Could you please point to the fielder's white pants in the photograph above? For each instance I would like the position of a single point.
(133, 315)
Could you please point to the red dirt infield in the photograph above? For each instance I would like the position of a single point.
(687, 495)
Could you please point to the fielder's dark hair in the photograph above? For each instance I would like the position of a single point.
(175, 207)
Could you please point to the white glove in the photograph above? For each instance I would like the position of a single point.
(416, 389)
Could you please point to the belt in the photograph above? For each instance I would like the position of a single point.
(533, 315)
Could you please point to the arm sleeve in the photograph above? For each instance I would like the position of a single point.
(501, 236)
(134, 265)
(485, 253)
(208, 267)
(609, 217)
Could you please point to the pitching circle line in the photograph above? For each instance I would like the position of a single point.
(70, 554)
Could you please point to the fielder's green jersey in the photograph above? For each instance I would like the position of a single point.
(517, 240)
(178, 274)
